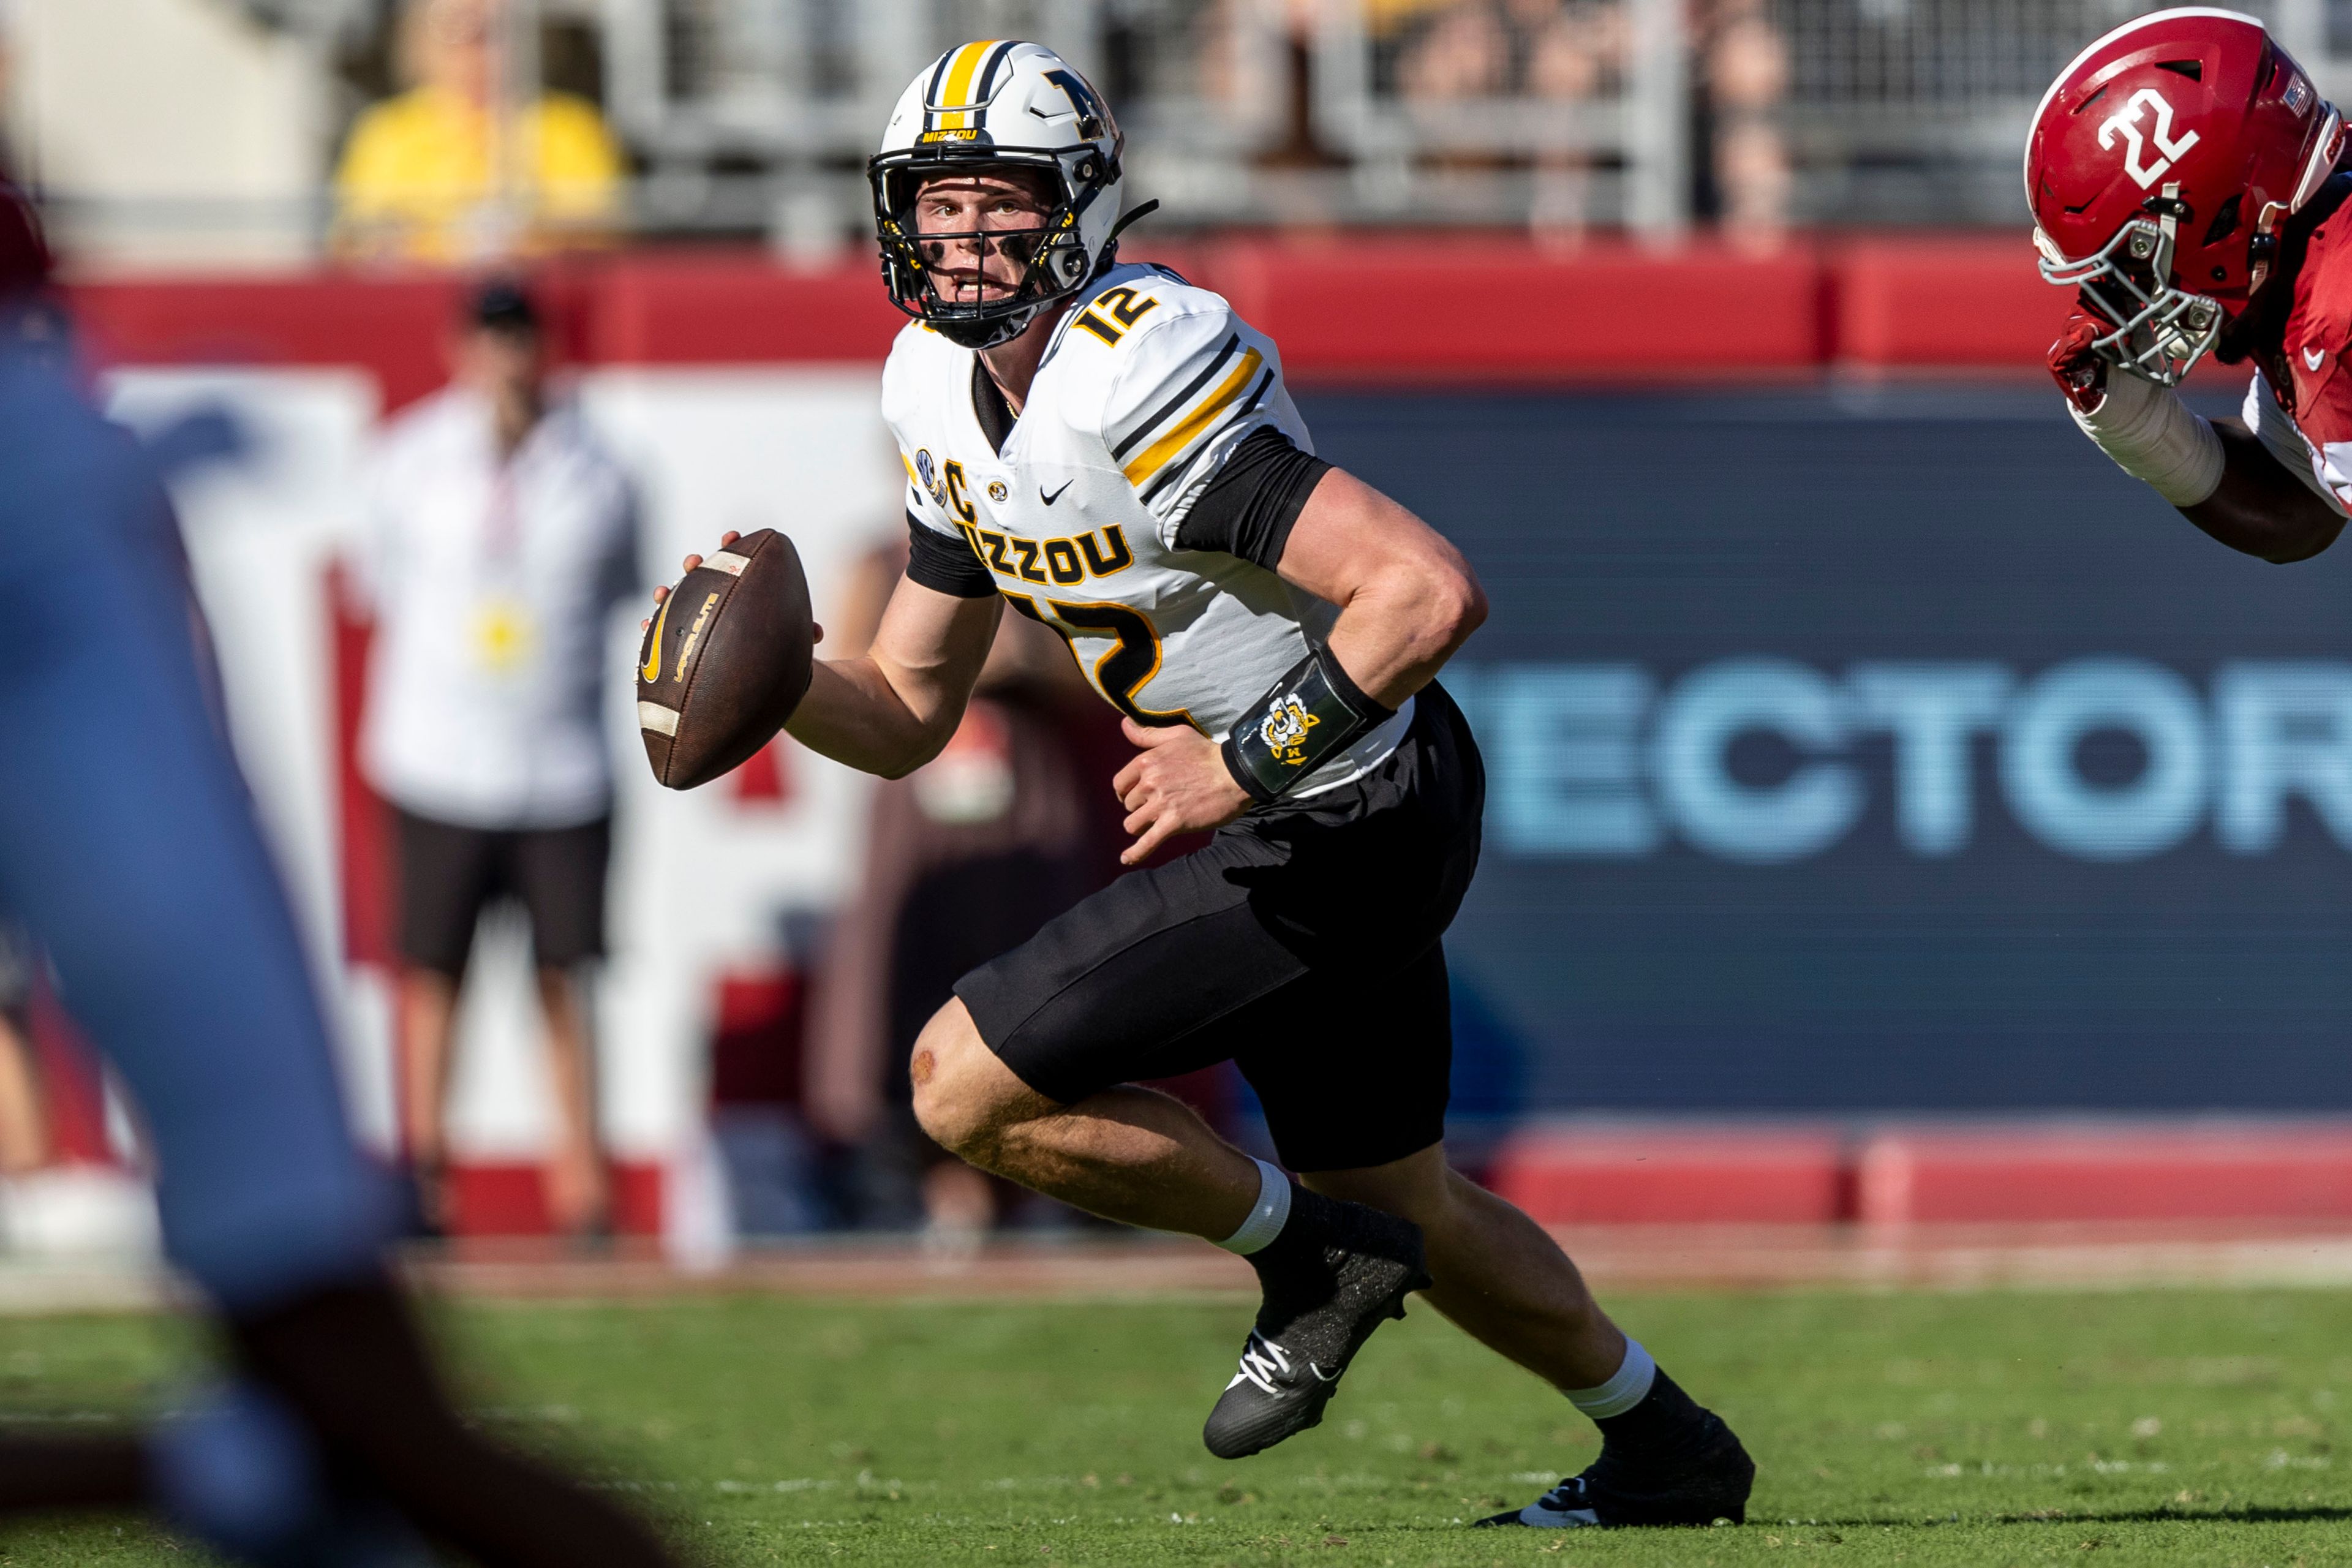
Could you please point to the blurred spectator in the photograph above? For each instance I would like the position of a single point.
(1744, 72)
(1574, 52)
(1248, 55)
(500, 535)
(965, 857)
(1566, 54)
(1579, 54)
(447, 172)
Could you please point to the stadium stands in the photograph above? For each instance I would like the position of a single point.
(1555, 116)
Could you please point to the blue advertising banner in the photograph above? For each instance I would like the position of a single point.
(1883, 751)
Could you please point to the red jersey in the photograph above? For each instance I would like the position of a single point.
(2300, 402)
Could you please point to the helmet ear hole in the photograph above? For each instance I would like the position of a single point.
(2225, 222)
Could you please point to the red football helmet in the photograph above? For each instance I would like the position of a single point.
(2160, 165)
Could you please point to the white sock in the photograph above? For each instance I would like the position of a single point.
(1623, 1391)
(1266, 1216)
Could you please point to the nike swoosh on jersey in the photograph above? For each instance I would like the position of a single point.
(2310, 359)
(1050, 499)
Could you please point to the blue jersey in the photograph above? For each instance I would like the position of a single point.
(129, 846)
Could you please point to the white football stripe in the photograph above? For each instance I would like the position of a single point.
(727, 560)
(661, 721)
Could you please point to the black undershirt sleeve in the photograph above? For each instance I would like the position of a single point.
(1250, 507)
(943, 564)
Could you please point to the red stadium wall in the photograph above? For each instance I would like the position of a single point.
(1383, 310)
(1895, 1175)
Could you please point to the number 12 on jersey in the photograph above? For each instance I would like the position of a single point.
(1122, 672)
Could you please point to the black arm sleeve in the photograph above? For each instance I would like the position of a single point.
(1249, 508)
(943, 564)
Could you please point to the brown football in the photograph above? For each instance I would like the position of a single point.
(725, 660)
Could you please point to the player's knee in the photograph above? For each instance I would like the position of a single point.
(958, 1102)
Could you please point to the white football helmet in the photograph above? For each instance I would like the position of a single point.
(999, 104)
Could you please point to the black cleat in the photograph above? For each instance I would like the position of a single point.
(1698, 1484)
(1342, 1270)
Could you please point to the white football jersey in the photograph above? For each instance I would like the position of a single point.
(1148, 387)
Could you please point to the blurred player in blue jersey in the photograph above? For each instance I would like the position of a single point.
(127, 845)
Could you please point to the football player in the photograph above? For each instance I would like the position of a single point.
(128, 846)
(1111, 452)
(2182, 172)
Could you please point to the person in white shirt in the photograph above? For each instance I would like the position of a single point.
(500, 536)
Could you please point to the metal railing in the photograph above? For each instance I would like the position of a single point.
(815, 79)
(1529, 101)
(803, 88)
(1204, 88)
(1902, 110)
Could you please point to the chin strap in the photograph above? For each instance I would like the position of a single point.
(1109, 257)
(1146, 210)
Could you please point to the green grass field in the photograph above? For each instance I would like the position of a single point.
(2181, 1426)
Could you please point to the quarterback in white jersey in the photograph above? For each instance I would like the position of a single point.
(1081, 509)
(1110, 450)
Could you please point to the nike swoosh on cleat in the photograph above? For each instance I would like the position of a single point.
(1320, 1375)
(1050, 499)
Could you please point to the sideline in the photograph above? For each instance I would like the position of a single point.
(1617, 1258)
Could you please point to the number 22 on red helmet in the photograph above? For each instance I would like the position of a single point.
(2162, 164)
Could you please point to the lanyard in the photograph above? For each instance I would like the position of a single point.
(503, 522)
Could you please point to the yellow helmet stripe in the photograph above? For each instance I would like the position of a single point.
(956, 94)
(1157, 456)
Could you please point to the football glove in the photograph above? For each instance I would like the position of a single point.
(2080, 370)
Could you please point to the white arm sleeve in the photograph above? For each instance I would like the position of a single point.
(2153, 436)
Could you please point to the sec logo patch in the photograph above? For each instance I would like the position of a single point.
(997, 492)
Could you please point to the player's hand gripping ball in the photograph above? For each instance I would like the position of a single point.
(725, 659)
(2080, 372)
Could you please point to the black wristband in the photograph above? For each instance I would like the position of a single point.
(1311, 714)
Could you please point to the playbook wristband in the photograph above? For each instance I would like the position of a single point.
(1310, 715)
